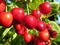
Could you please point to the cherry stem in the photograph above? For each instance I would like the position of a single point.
(6, 8)
(27, 9)
(27, 6)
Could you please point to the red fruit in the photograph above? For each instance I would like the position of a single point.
(20, 29)
(2, 6)
(36, 13)
(37, 41)
(49, 26)
(41, 26)
(45, 8)
(27, 37)
(30, 21)
(49, 42)
(1, 1)
(40, 42)
(6, 19)
(18, 14)
(44, 35)
(35, 38)
(53, 34)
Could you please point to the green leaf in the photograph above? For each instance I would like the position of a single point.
(34, 4)
(33, 32)
(14, 36)
(58, 38)
(1, 44)
(18, 40)
(49, 0)
(6, 31)
(55, 26)
(55, 7)
(59, 8)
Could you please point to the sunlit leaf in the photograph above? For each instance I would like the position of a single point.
(55, 26)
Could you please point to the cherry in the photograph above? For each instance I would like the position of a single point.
(40, 42)
(49, 42)
(18, 14)
(53, 34)
(45, 8)
(27, 37)
(2, 6)
(49, 26)
(6, 19)
(30, 21)
(44, 35)
(37, 41)
(41, 26)
(35, 38)
(20, 29)
(1, 1)
(36, 13)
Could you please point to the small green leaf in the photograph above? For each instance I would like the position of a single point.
(14, 36)
(34, 4)
(55, 7)
(5, 32)
(18, 40)
(34, 32)
(55, 26)
(1, 44)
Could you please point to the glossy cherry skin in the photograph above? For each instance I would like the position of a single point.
(41, 26)
(1, 1)
(49, 26)
(30, 21)
(36, 13)
(18, 14)
(49, 42)
(37, 41)
(2, 6)
(20, 29)
(45, 8)
(35, 38)
(53, 34)
(27, 37)
(40, 42)
(6, 19)
(44, 35)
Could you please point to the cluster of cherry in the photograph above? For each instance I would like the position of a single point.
(22, 23)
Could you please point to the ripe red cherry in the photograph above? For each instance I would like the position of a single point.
(44, 35)
(40, 42)
(35, 38)
(53, 34)
(18, 14)
(27, 37)
(20, 29)
(45, 8)
(2, 6)
(41, 26)
(36, 13)
(37, 41)
(6, 19)
(49, 42)
(1, 1)
(49, 26)
(30, 21)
